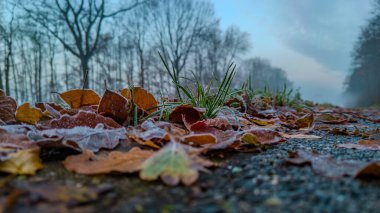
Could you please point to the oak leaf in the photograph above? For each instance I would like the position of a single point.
(125, 162)
(80, 97)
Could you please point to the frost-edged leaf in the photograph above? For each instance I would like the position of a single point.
(7, 108)
(115, 106)
(200, 139)
(173, 164)
(90, 164)
(261, 136)
(81, 138)
(362, 145)
(83, 118)
(22, 162)
(185, 112)
(80, 97)
(28, 114)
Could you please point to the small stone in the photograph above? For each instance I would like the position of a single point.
(273, 202)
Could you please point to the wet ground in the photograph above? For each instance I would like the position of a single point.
(247, 182)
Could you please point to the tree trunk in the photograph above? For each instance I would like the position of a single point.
(142, 71)
(84, 62)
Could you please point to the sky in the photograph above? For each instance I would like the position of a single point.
(310, 39)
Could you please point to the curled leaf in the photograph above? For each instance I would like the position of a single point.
(185, 112)
(115, 106)
(28, 114)
(7, 108)
(80, 97)
(142, 98)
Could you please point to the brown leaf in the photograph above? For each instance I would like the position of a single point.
(199, 139)
(142, 98)
(81, 138)
(83, 118)
(326, 165)
(125, 162)
(330, 118)
(187, 112)
(261, 136)
(362, 145)
(305, 121)
(80, 97)
(7, 108)
(115, 106)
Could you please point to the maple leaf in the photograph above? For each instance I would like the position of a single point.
(115, 106)
(81, 138)
(77, 98)
(22, 162)
(7, 108)
(142, 98)
(90, 164)
(173, 164)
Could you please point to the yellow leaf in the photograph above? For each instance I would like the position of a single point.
(142, 98)
(23, 162)
(77, 98)
(28, 114)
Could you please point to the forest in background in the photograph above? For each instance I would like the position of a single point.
(49, 46)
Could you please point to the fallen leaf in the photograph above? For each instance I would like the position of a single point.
(15, 141)
(187, 112)
(362, 145)
(7, 108)
(83, 118)
(81, 138)
(125, 162)
(330, 118)
(305, 121)
(80, 97)
(200, 139)
(115, 106)
(22, 162)
(142, 98)
(327, 166)
(28, 114)
(153, 132)
(261, 136)
(172, 164)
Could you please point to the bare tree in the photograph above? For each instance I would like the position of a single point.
(177, 24)
(84, 20)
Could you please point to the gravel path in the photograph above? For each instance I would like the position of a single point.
(248, 182)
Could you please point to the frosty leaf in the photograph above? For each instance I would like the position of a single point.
(115, 106)
(200, 139)
(80, 97)
(83, 118)
(172, 164)
(7, 108)
(362, 145)
(28, 114)
(185, 112)
(261, 136)
(90, 164)
(81, 138)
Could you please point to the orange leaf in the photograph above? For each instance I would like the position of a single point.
(90, 164)
(28, 114)
(200, 139)
(80, 97)
(142, 98)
